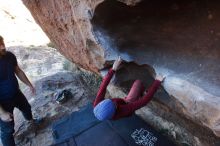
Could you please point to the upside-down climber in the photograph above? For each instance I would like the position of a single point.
(116, 108)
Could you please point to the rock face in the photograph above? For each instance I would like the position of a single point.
(177, 39)
(67, 24)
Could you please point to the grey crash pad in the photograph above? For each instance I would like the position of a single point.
(82, 129)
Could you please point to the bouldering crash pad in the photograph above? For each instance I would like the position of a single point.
(81, 128)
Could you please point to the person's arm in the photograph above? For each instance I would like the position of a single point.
(102, 90)
(21, 75)
(5, 116)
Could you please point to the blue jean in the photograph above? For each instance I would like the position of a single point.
(7, 128)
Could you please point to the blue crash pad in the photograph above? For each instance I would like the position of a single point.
(74, 124)
(81, 128)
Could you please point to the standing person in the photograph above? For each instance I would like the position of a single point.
(116, 108)
(10, 94)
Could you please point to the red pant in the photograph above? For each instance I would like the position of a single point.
(135, 92)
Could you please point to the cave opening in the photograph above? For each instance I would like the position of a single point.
(177, 37)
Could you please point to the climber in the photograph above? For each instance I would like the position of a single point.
(116, 108)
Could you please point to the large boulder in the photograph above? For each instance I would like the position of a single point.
(175, 38)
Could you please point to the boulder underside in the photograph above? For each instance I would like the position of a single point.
(179, 39)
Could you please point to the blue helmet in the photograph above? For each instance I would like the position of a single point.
(105, 110)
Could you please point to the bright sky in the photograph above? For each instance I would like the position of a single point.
(17, 25)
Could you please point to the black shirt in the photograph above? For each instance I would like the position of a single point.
(8, 81)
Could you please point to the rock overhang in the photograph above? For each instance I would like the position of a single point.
(179, 39)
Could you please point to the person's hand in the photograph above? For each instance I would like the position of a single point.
(6, 117)
(117, 64)
(33, 91)
(159, 77)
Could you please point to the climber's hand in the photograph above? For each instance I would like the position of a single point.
(117, 64)
(160, 77)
